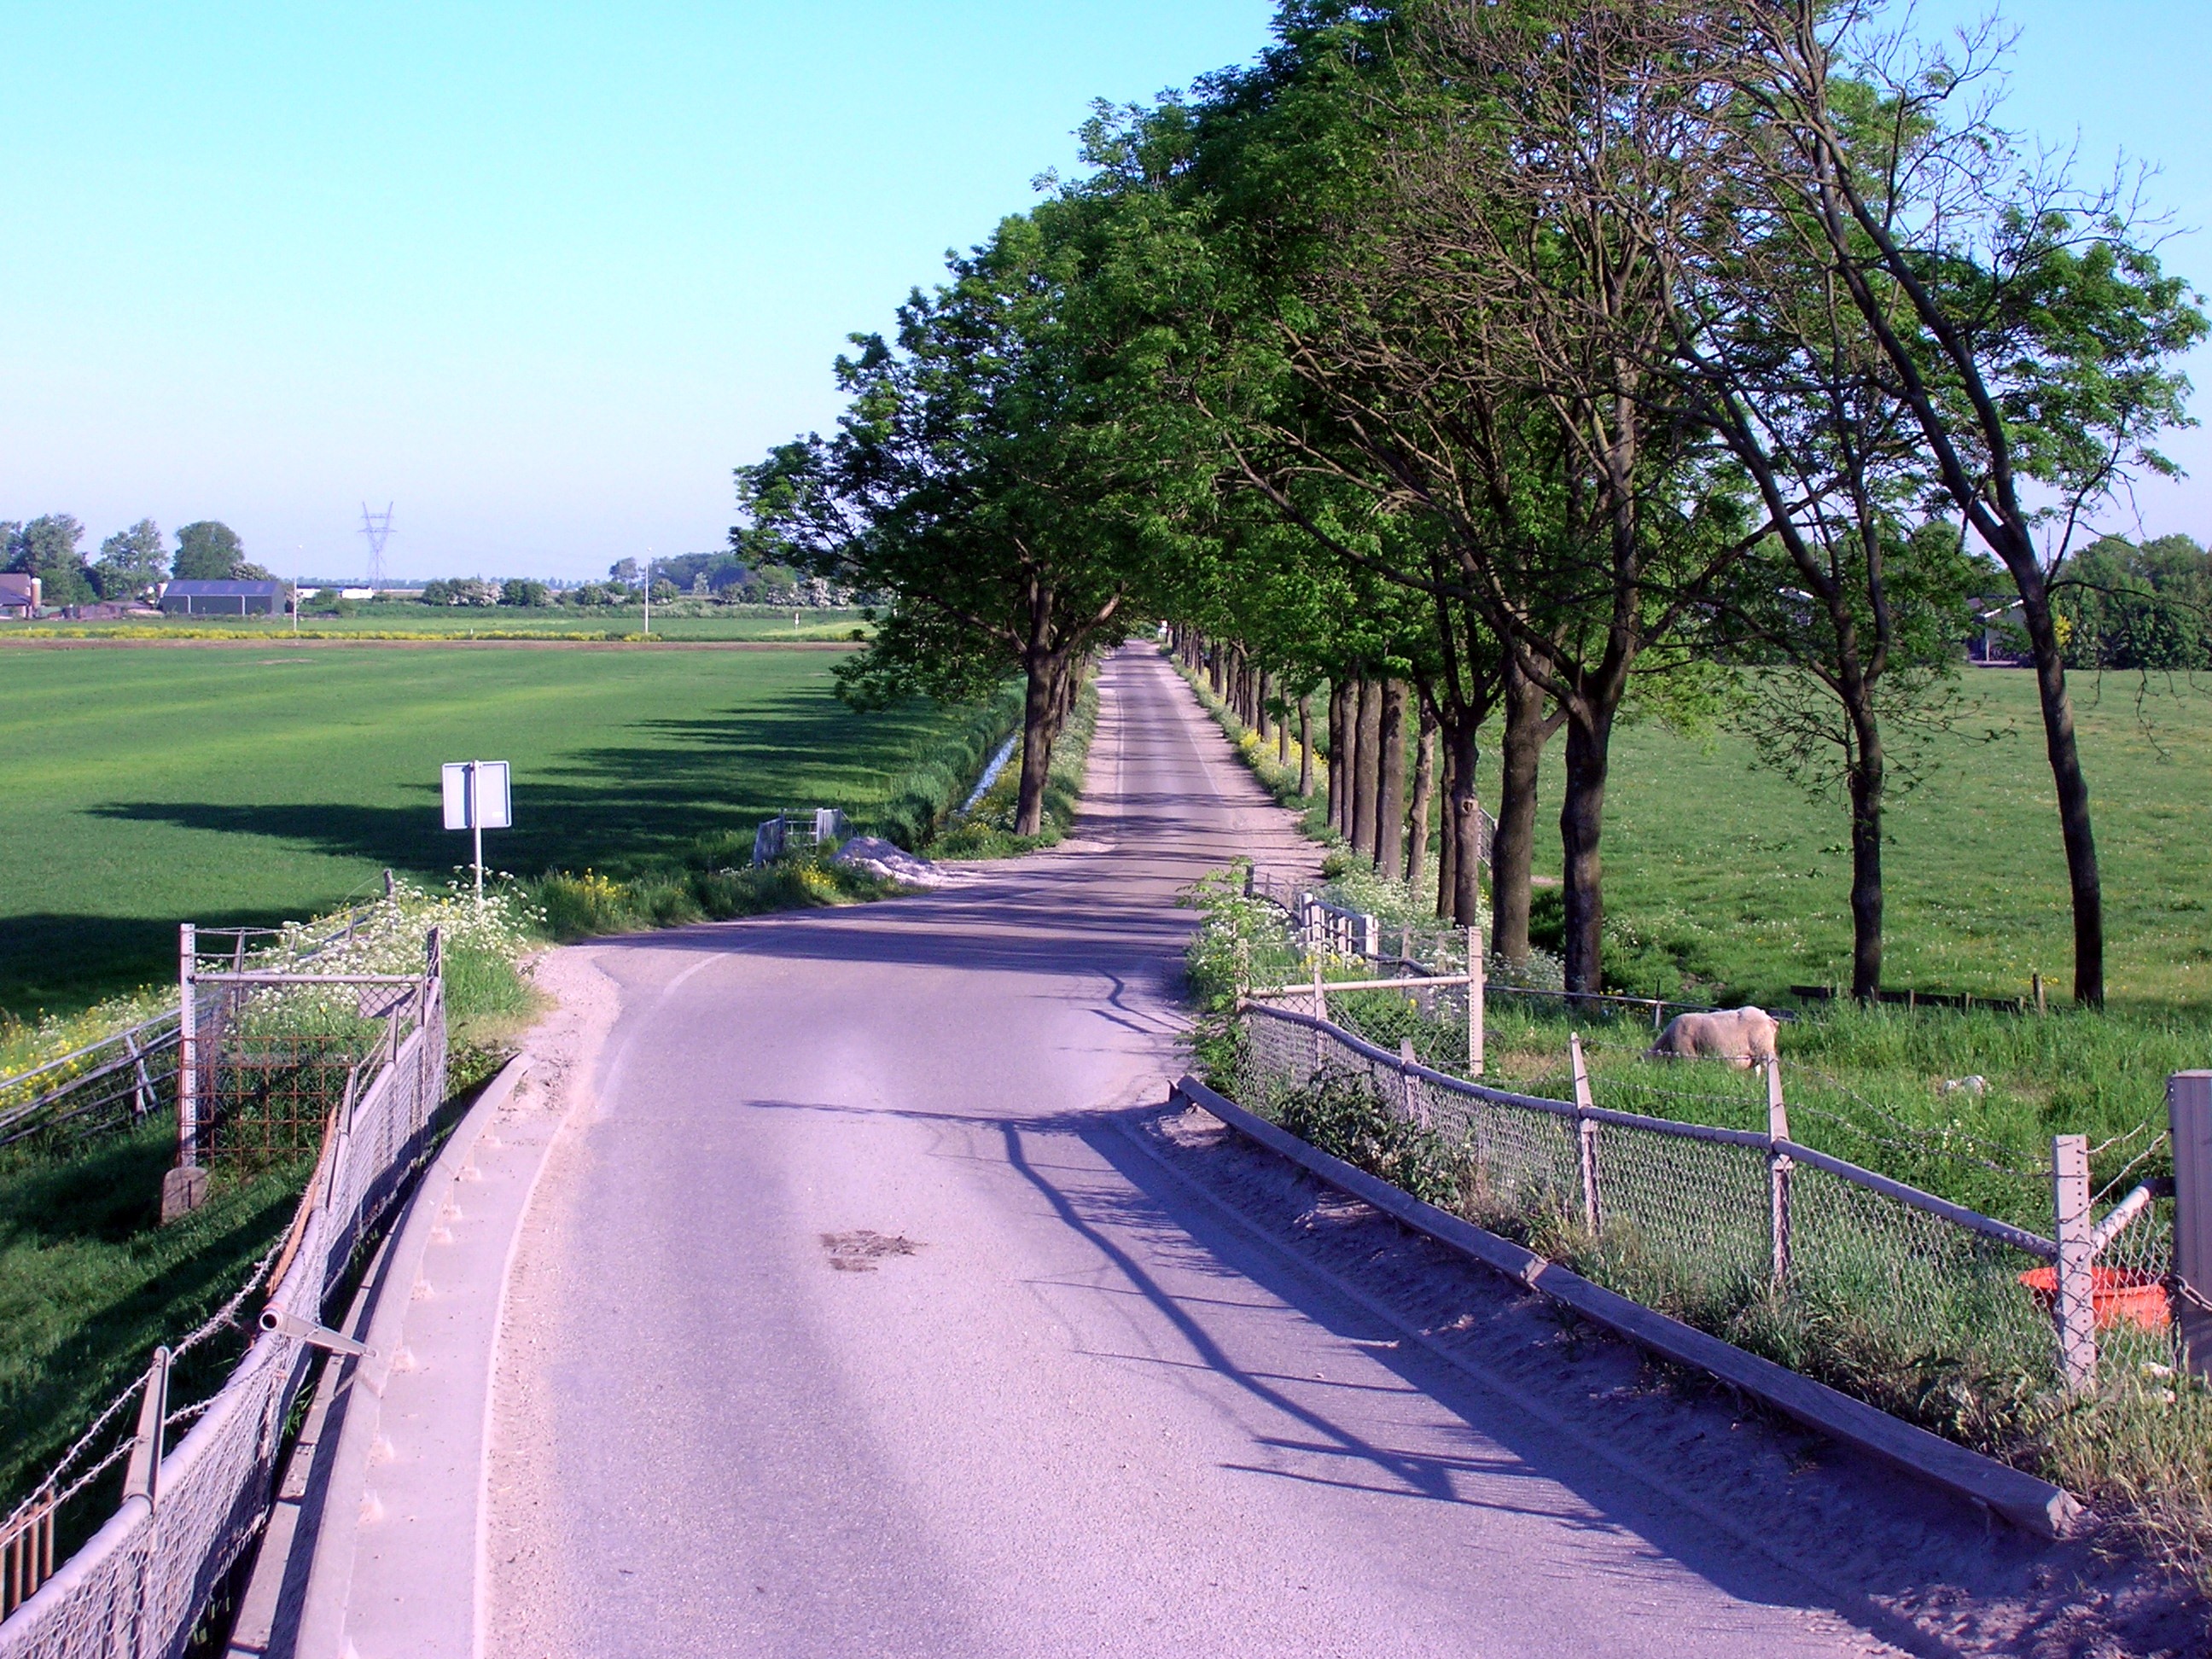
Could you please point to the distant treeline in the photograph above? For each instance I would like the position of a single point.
(713, 576)
(2148, 607)
(130, 564)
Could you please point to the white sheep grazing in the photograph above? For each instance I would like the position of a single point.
(1742, 1036)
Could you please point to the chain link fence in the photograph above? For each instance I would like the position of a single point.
(1927, 1308)
(142, 1582)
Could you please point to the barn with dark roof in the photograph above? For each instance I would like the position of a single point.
(199, 599)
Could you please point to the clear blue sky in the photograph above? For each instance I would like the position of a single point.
(541, 275)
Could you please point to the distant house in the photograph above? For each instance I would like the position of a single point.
(197, 599)
(19, 595)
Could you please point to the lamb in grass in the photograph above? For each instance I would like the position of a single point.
(1742, 1036)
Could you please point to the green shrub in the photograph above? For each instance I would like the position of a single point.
(1340, 1112)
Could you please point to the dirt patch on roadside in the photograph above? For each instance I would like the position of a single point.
(859, 1252)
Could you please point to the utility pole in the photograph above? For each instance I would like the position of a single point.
(648, 593)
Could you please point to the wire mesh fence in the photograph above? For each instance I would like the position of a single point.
(1927, 1307)
(139, 1586)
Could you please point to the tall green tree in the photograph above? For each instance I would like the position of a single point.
(2027, 325)
(47, 548)
(208, 550)
(2145, 608)
(131, 562)
(1006, 477)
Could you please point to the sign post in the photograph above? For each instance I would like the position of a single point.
(478, 799)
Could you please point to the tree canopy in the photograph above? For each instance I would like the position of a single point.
(1530, 358)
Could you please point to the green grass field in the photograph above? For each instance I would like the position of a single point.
(1724, 876)
(684, 621)
(230, 785)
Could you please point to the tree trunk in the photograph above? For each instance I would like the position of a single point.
(1424, 786)
(1866, 792)
(1447, 832)
(1513, 849)
(1582, 823)
(1366, 772)
(2073, 789)
(1390, 780)
(1339, 776)
(1043, 702)
(1446, 839)
(1305, 744)
(1461, 737)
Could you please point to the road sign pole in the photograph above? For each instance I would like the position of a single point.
(475, 827)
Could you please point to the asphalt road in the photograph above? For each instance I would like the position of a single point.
(861, 1323)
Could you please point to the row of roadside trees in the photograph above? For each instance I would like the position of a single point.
(1523, 362)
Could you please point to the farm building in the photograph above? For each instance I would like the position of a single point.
(198, 598)
(19, 595)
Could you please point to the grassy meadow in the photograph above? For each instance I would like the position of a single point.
(685, 620)
(1723, 877)
(228, 785)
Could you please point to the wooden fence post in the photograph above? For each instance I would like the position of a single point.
(1474, 1010)
(2188, 1114)
(1370, 936)
(1778, 1171)
(1406, 1062)
(1585, 1134)
(142, 1086)
(2075, 1305)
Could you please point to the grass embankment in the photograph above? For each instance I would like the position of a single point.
(986, 830)
(713, 879)
(235, 787)
(90, 1282)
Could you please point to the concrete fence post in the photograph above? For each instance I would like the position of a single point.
(188, 1046)
(2188, 1114)
(2075, 1302)
(1585, 1134)
(1778, 1171)
(1370, 936)
(1474, 1010)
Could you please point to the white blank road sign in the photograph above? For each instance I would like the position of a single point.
(491, 808)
